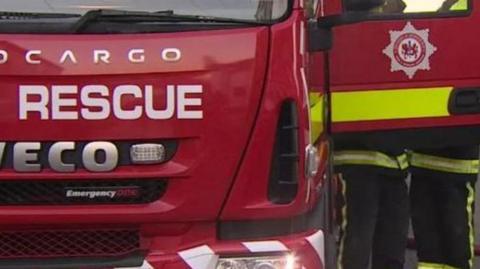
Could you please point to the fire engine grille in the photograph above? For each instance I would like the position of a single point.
(81, 192)
(68, 243)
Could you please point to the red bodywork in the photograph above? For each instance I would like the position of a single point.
(221, 168)
(455, 63)
(229, 108)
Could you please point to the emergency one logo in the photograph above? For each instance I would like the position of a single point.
(409, 50)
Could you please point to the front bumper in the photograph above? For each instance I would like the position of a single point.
(307, 248)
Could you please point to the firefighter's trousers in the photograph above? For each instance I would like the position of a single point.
(374, 221)
(441, 200)
(442, 194)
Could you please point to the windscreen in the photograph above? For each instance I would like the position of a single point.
(236, 9)
(418, 6)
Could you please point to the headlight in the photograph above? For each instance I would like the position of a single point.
(266, 262)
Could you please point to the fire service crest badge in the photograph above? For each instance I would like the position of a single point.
(409, 50)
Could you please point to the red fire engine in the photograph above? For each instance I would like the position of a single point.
(197, 136)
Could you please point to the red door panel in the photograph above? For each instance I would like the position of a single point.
(413, 80)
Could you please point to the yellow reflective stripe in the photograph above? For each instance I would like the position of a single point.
(375, 158)
(390, 104)
(403, 161)
(315, 97)
(470, 201)
(316, 115)
(427, 265)
(343, 226)
(446, 266)
(444, 164)
(460, 5)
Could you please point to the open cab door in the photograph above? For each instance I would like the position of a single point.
(403, 72)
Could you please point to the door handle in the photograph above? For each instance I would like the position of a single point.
(464, 101)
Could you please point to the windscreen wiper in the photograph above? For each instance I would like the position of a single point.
(13, 15)
(125, 16)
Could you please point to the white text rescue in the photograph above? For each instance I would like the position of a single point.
(99, 102)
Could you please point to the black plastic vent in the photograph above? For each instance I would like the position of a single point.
(68, 243)
(138, 191)
(283, 185)
(464, 101)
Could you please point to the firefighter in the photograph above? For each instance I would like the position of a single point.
(375, 206)
(375, 209)
(375, 198)
(442, 194)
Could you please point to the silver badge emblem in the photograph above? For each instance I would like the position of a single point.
(409, 50)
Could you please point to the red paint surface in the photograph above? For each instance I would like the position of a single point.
(358, 63)
(232, 88)
(204, 234)
(222, 165)
(248, 198)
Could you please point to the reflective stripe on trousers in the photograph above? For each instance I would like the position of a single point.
(360, 157)
(426, 265)
(468, 233)
(443, 164)
(343, 225)
(471, 233)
